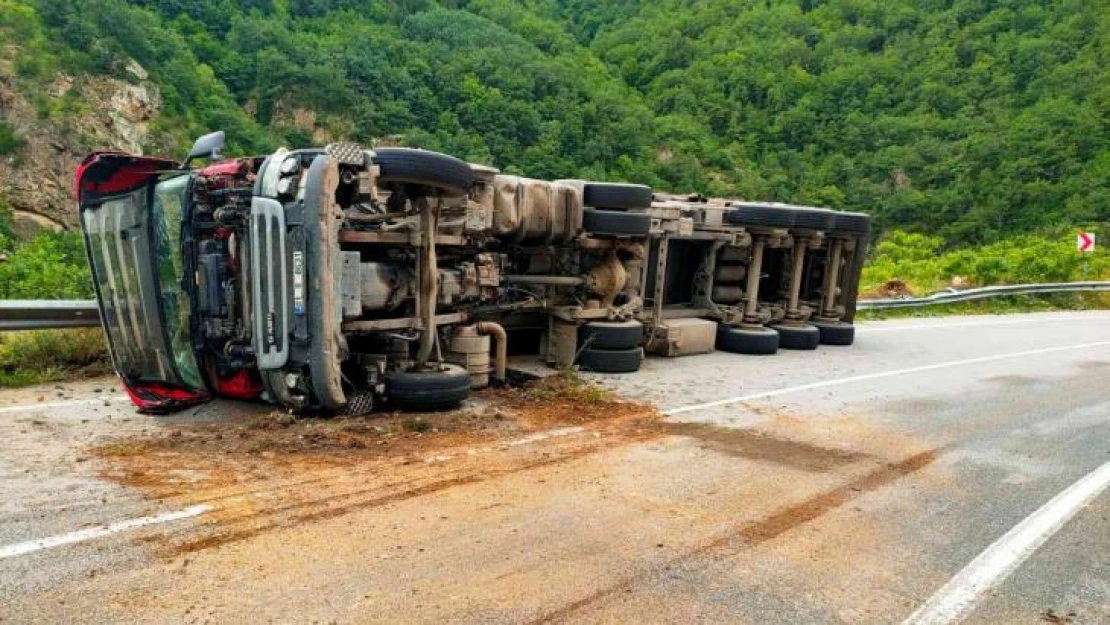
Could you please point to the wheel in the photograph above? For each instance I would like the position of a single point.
(852, 223)
(758, 341)
(428, 390)
(616, 195)
(430, 169)
(612, 334)
(611, 360)
(761, 215)
(814, 219)
(836, 332)
(798, 337)
(617, 223)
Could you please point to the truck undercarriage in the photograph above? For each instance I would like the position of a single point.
(342, 278)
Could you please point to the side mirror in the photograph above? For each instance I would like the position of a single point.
(207, 146)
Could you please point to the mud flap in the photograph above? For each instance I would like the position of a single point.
(327, 346)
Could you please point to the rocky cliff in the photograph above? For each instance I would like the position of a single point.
(57, 125)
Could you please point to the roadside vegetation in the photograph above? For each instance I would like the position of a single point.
(35, 357)
(905, 263)
(49, 266)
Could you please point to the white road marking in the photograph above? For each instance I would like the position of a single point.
(31, 546)
(959, 596)
(865, 327)
(63, 404)
(875, 376)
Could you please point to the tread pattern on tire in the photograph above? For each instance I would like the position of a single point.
(839, 333)
(428, 390)
(612, 334)
(814, 219)
(616, 223)
(852, 223)
(616, 195)
(805, 337)
(762, 342)
(424, 167)
(611, 360)
(758, 215)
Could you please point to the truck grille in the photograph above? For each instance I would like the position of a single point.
(269, 283)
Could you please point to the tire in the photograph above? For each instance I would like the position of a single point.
(427, 390)
(616, 223)
(611, 360)
(852, 223)
(814, 219)
(836, 332)
(761, 215)
(430, 169)
(804, 337)
(612, 334)
(761, 342)
(616, 195)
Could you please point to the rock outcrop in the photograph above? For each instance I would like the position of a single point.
(70, 118)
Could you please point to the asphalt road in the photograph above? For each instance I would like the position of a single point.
(945, 469)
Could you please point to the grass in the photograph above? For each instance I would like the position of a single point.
(1010, 304)
(567, 385)
(40, 356)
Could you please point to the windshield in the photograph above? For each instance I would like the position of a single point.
(134, 244)
(168, 214)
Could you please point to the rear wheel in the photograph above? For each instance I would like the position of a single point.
(611, 360)
(756, 341)
(616, 195)
(428, 390)
(836, 332)
(617, 223)
(798, 337)
(613, 334)
(761, 215)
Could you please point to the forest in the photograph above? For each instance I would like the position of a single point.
(971, 120)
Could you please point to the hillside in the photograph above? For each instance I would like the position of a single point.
(971, 119)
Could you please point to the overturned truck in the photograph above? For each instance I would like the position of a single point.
(341, 279)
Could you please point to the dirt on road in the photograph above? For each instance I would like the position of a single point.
(272, 470)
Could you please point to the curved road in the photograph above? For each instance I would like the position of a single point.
(939, 470)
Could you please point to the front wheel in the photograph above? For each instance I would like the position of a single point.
(428, 169)
(428, 390)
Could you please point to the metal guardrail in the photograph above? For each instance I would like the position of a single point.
(982, 293)
(47, 314)
(38, 314)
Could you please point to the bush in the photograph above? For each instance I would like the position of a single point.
(924, 266)
(50, 266)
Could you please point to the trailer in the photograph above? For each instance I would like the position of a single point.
(343, 278)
